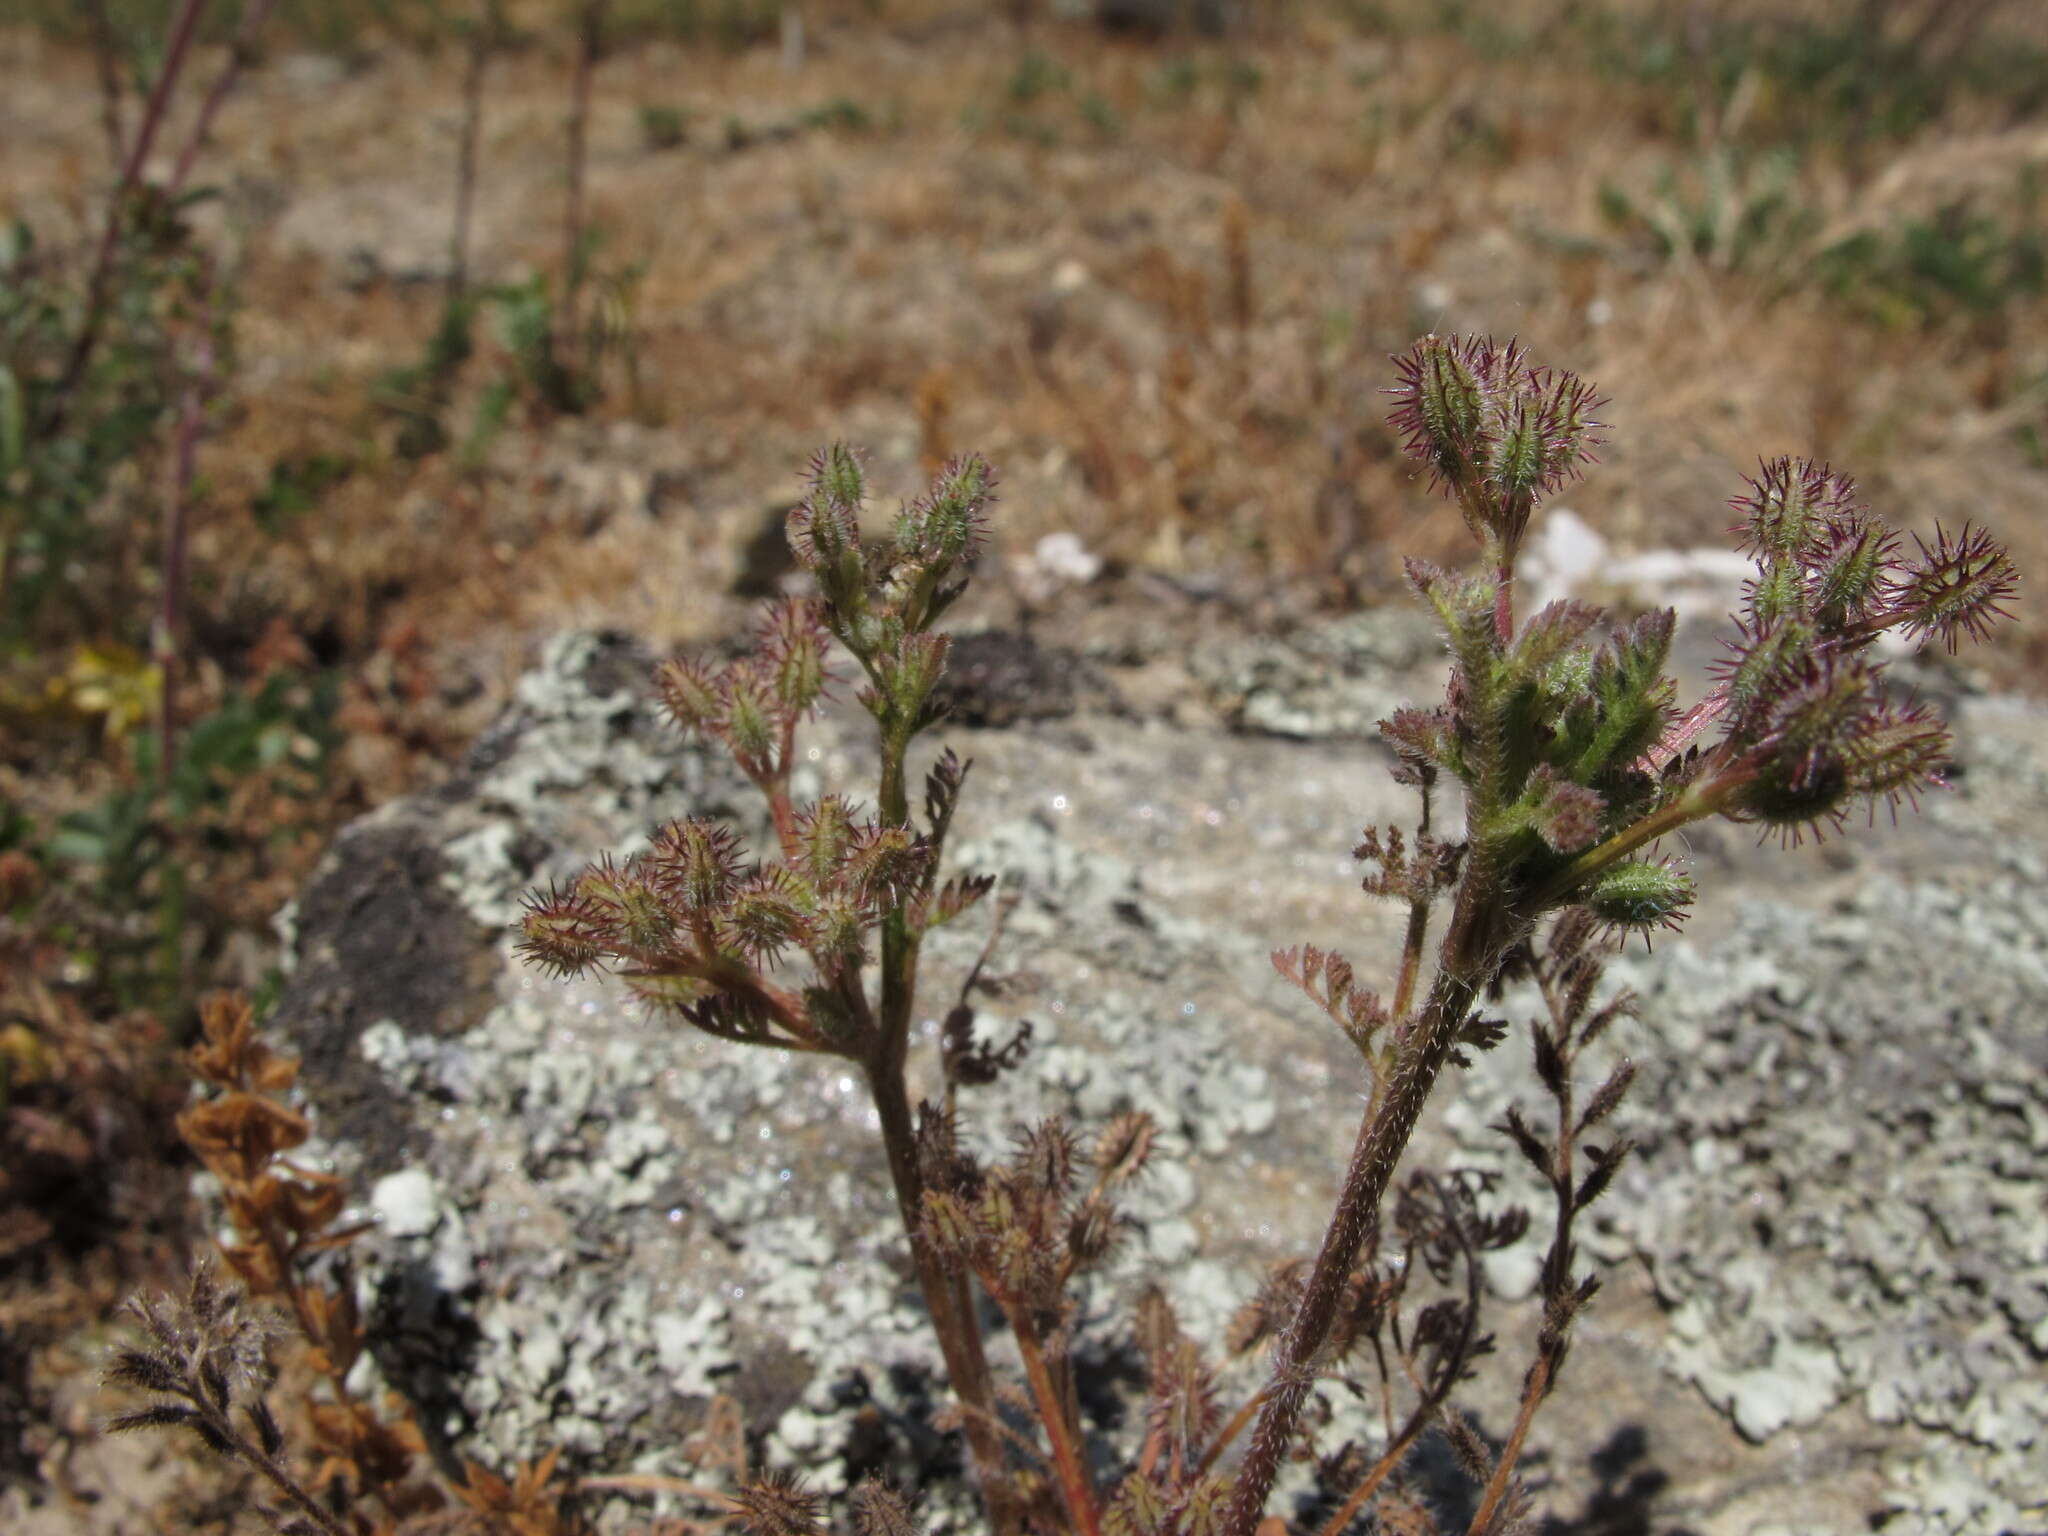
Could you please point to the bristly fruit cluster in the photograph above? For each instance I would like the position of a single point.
(1809, 731)
(1497, 432)
(1567, 748)
(1024, 1231)
(691, 923)
(699, 930)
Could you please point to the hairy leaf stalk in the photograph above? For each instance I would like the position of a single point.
(948, 1299)
(946, 1293)
(1473, 952)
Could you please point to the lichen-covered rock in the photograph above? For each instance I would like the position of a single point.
(1826, 1265)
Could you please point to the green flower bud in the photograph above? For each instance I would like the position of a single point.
(1640, 894)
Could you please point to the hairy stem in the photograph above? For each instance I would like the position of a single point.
(1382, 1138)
(1411, 956)
(1481, 931)
(947, 1299)
(899, 944)
(1533, 1392)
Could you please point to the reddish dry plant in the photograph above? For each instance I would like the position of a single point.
(209, 1354)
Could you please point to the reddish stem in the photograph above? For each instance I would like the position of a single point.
(178, 47)
(1076, 1489)
(238, 56)
(170, 621)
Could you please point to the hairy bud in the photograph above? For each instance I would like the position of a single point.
(824, 529)
(1640, 894)
(1495, 431)
(696, 863)
(689, 693)
(946, 525)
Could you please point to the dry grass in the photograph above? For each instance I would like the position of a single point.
(1158, 300)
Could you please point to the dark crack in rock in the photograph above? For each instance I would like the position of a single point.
(1000, 677)
(380, 936)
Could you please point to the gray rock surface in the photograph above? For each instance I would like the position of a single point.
(1827, 1298)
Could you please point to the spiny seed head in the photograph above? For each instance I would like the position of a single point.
(779, 1505)
(1957, 586)
(696, 863)
(751, 722)
(1897, 752)
(1018, 1261)
(824, 530)
(826, 524)
(1788, 506)
(1444, 401)
(912, 670)
(689, 693)
(1044, 1159)
(1851, 572)
(1828, 738)
(635, 917)
(945, 526)
(1637, 895)
(949, 1225)
(792, 644)
(1775, 595)
(1759, 665)
(885, 865)
(563, 932)
(879, 1510)
(824, 833)
(1813, 714)
(763, 917)
(836, 932)
(1497, 432)
(1124, 1146)
(644, 922)
(1515, 462)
